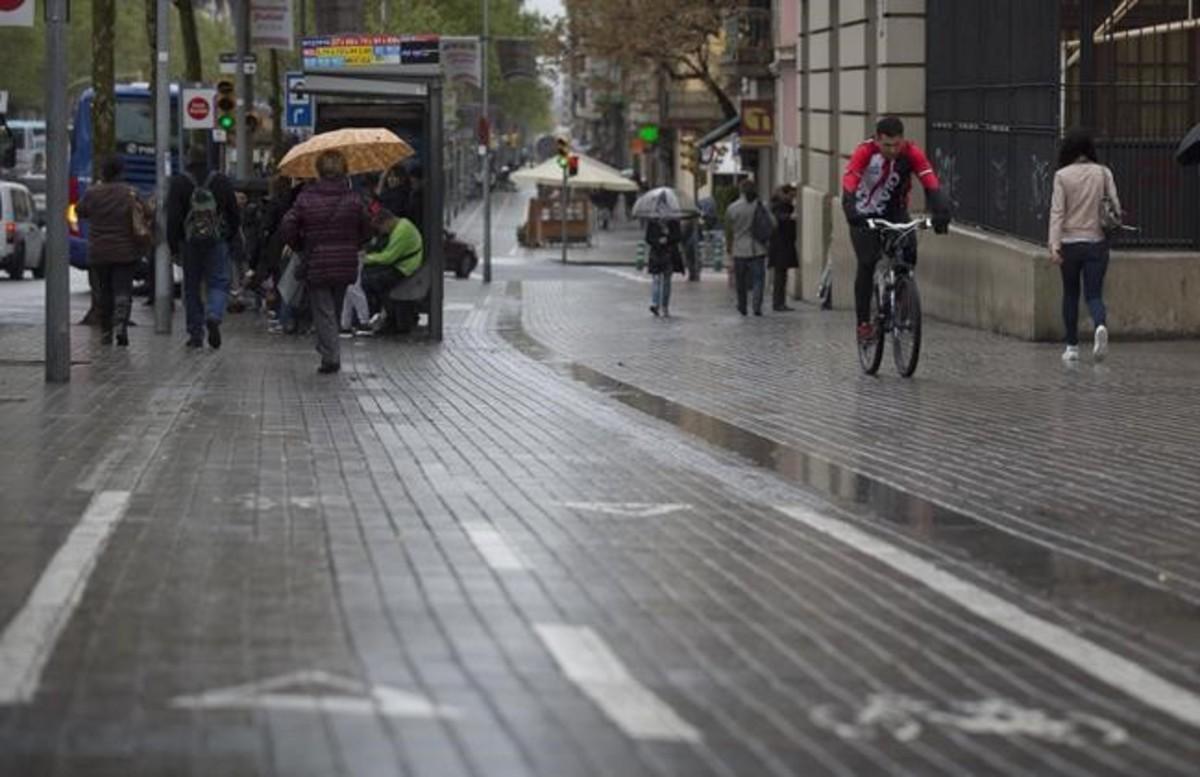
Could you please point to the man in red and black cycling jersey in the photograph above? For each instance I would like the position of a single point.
(876, 185)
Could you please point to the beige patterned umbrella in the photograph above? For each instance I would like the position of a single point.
(366, 150)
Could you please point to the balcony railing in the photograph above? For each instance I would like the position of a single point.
(749, 39)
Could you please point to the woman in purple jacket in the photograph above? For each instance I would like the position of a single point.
(326, 227)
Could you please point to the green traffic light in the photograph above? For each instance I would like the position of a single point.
(226, 122)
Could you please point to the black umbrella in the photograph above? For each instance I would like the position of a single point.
(1189, 148)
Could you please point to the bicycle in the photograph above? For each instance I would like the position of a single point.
(895, 301)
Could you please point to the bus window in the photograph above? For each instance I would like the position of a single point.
(135, 127)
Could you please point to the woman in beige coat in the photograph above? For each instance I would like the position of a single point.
(1077, 241)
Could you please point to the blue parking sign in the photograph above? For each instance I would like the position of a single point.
(299, 112)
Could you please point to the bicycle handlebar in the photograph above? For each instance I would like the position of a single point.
(881, 224)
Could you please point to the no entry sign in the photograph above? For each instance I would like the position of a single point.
(16, 13)
(198, 108)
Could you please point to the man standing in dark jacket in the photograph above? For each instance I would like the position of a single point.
(781, 253)
(205, 256)
(326, 227)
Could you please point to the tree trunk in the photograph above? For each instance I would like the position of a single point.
(276, 107)
(334, 16)
(193, 69)
(104, 143)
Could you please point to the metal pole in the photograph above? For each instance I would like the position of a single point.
(58, 283)
(164, 281)
(565, 201)
(487, 154)
(435, 202)
(242, 29)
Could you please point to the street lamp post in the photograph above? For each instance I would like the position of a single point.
(58, 282)
(486, 147)
(164, 281)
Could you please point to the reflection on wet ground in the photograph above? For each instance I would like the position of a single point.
(1084, 586)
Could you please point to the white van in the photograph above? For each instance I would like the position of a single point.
(30, 138)
(22, 242)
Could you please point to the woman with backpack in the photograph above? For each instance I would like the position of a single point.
(1084, 199)
(326, 227)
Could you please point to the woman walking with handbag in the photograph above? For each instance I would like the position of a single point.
(1083, 206)
(118, 235)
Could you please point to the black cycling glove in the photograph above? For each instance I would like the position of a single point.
(853, 217)
(939, 204)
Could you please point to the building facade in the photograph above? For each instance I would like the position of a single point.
(987, 89)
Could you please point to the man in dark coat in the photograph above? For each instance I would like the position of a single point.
(206, 259)
(326, 227)
(781, 253)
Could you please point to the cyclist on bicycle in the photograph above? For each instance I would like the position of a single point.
(876, 185)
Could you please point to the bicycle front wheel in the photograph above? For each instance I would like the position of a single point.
(870, 353)
(906, 326)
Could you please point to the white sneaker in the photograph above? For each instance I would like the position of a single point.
(377, 321)
(1071, 354)
(1100, 347)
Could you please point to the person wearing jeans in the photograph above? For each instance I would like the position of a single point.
(1077, 240)
(1088, 261)
(205, 267)
(663, 237)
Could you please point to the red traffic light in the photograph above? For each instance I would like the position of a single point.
(573, 165)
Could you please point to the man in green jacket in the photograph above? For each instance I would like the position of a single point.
(400, 258)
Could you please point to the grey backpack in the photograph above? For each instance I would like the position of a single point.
(203, 224)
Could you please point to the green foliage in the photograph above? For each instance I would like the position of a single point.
(522, 102)
(23, 52)
(724, 195)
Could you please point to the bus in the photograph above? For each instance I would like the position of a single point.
(134, 114)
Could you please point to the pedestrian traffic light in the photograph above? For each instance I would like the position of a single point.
(573, 164)
(252, 122)
(226, 105)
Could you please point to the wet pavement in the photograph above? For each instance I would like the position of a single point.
(573, 540)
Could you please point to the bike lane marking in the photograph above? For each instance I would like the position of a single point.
(592, 665)
(499, 554)
(30, 637)
(1104, 665)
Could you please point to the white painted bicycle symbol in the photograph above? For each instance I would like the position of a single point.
(904, 718)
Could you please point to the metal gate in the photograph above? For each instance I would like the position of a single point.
(993, 104)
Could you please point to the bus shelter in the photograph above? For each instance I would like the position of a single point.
(390, 81)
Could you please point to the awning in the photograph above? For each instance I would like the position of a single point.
(721, 132)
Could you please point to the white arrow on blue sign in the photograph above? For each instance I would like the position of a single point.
(299, 111)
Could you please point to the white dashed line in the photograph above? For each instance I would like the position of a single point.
(30, 637)
(496, 551)
(590, 664)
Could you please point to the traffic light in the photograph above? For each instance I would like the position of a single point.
(226, 105)
(252, 122)
(564, 151)
(573, 164)
(689, 155)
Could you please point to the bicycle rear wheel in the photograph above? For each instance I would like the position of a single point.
(870, 354)
(906, 326)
